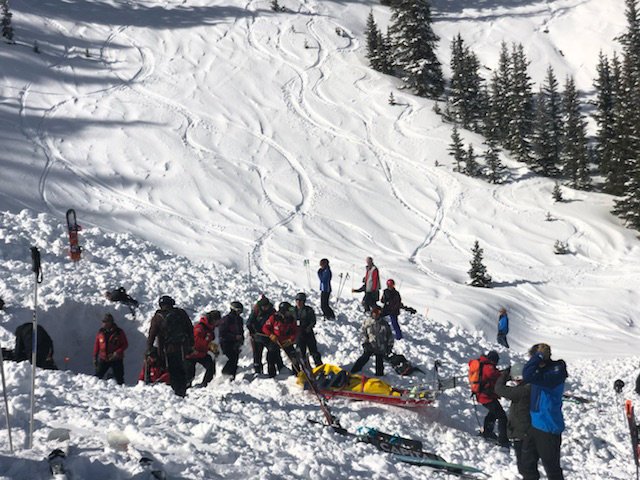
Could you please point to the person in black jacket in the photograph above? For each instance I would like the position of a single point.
(44, 352)
(306, 319)
(518, 419)
(231, 330)
(391, 305)
(260, 313)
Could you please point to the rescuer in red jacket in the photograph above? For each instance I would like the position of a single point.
(108, 349)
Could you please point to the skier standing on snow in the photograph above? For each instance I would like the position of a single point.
(152, 371)
(282, 330)
(488, 399)
(44, 353)
(370, 285)
(108, 349)
(231, 331)
(306, 318)
(392, 303)
(543, 442)
(203, 343)
(378, 341)
(174, 331)
(503, 327)
(519, 420)
(324, 274)
(260, 313)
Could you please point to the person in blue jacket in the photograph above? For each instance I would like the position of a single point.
(503, 327)
(544, 438)
(324, 274)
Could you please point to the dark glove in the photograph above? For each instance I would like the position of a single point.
(411, 310)
(545, 350)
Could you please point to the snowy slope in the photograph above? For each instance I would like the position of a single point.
(210, 131)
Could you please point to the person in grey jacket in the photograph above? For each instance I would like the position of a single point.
(378, 341)
(518, 418)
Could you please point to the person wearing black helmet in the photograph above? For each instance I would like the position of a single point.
(378, 341)
(231, 331)
(172, 328)
(281, 331)
(203, 347)
(260, 313)
(306, 319)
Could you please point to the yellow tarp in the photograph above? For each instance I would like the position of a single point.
(356, 383)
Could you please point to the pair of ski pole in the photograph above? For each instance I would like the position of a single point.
(342, 282)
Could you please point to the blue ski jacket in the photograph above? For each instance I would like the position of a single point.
(503, 324)
(324, 274)
(547, 387)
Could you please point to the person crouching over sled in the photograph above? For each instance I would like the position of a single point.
(281, 329)
(378, 341)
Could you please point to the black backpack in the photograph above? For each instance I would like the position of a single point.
(401, 365)
(173, 328)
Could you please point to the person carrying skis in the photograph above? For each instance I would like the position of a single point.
(281, 330)
(152, 371)
(231, 338)
(172, 328)
(543, 442)
(378, 341)
(324, 274)
(370, 285)
(518, 419)
(503, 327)
(488, 399)
(203, 343)
(260, 313)
(108, 349)
(44, 349)
(391, 305)
(306, 319)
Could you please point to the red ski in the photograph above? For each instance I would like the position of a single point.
(405, 400)
(633, 430)
(72, 226)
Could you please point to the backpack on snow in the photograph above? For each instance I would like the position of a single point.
(475, 375)
(173, 328)
(401, 365)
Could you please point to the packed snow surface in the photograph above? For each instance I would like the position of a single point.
(211, 148)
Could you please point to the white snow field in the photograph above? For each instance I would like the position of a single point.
(201, 140)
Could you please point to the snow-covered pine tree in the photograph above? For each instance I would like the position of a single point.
(495, 168)
(413, 46)
(372, 33)
(497, 120)
(520, 114)
(603, 115)
(7, 27)
(557, 193)
(384, 53)
(466, 102)
(561, 248)
(478, 272)
(456, 148)
(574, 154)
(472, 168)
(392, 99)
(547, 127)
(275, 6)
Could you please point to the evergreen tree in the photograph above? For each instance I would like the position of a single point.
(497, 118)
(275, 6)
(392, 99)
(604, 115)
(575, 155)
(7, 28)
(472, 168)
(466, 89)
(520, 100)
(616, 174)
(372, 34)
(385, 62)
(547, 128)
(456, 148)
(495, 168)
(478, 272)
(413, 44)
(557, 193)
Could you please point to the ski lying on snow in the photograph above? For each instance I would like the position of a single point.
(58, 439)
(118, 440)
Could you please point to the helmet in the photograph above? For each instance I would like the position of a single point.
(301, 296)
(493, 356)
(376, 309)
(391, 282)
(166, 300)
(264, 301)
(237, 307)
(284, 307)
(211, 318)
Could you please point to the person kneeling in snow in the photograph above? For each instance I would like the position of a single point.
(44, 349)
(108, 349)
(203, 343)
(152, 371)
(281, 329)
(378, 341)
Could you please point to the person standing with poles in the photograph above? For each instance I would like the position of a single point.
(306, 338)
(503, 327)
(370, 285)
(174, 331)
(324, 274)
(37, 272)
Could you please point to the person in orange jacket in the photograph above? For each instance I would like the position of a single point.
(152, 371)
(282, 330)
(203, 343)
(108, 349)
